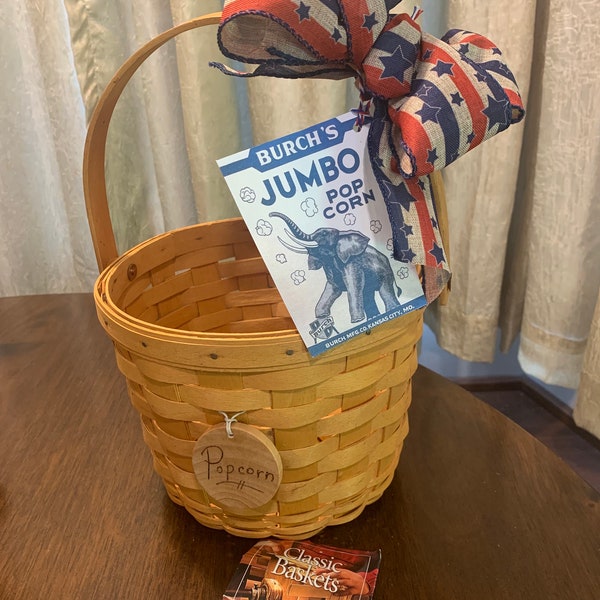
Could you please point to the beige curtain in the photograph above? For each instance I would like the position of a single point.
(44, 245)
(180, 115)
(523, 211)
(481, 192)
(174, 120)
(587, 409)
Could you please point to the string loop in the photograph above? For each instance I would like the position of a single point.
(230, 420)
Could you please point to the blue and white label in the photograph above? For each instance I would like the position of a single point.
(317, 216)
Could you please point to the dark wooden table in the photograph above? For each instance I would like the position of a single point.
(478, 509)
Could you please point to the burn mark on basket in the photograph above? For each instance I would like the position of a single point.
(131, 272)
(289, 352)
(214, 356)
(144, 344)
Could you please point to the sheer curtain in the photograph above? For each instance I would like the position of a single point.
(523, 212)
(44, 246)
(173, 121)
(524, 208)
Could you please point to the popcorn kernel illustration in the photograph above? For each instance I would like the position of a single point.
(263, 228)
(247, 195)
(309, 206)
(376, 226)
(298, 277)
(350, 219)
(281, 258)
(402, 272)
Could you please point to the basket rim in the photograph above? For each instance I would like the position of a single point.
(285, 347)
(103, 298)
(229, 352)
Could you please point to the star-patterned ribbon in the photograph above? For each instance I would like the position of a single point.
(431, 100)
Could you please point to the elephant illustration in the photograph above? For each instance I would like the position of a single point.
(351, 265)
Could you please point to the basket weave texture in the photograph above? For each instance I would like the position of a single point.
(199, 329)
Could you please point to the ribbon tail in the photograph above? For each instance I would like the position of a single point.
(414, 219)
(229, 71)
(278, 69)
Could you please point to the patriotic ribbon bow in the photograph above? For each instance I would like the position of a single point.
(430, 100)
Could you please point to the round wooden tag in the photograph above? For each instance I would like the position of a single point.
(243, 471)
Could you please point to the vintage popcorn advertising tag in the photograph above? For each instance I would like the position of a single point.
(316, 214)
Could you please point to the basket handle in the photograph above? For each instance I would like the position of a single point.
(94, 182)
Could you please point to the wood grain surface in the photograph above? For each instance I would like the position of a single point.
(478, 508)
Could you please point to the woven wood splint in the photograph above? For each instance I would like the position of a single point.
(200, 329)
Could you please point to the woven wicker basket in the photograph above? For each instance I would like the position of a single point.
(200, 328)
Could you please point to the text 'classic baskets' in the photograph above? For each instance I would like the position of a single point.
(201, 335)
